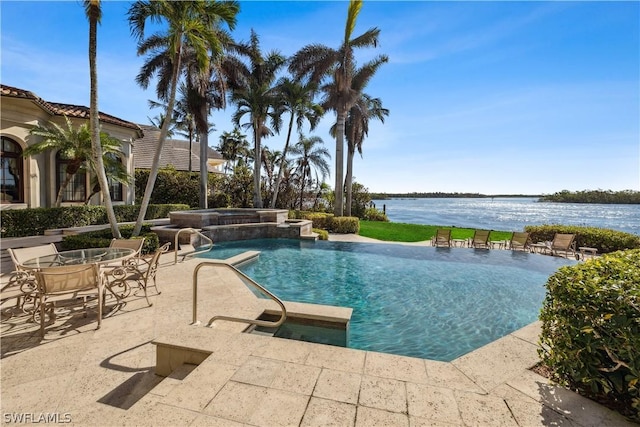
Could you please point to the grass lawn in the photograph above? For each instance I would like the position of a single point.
(399, 232)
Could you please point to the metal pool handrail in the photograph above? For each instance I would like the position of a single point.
(206, 247)
(257, 322)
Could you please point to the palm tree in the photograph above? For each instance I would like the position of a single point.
(254, 95)
(295, 98)
(187, 25)
(93, 11)
(233, 146)
(356, 129)
(318, 61)
(206, 89)
(180, 119)
(270, 159)
(75, 145)
(311, 157)
(159, 119)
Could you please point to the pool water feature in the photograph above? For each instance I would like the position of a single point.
(433, 303)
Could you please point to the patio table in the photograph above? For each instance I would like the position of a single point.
(100, 256)
(541, 247)
(498, 244)
(80, 256)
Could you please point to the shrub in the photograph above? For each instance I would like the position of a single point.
(171, 186)
(219, 200)
(102, 239)
(373, 214)
(591, 329)
(322, 234)
(34, 221)
(345, 225)
(319, 220)
(603, 239)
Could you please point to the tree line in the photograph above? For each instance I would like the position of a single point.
(594, 196)
(441, 195)
(198, 55)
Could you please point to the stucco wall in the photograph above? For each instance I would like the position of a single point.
(18, 116)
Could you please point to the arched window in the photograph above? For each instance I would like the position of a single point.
(76, 190)
(12, 178)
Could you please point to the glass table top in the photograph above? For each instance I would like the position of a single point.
(80, 256)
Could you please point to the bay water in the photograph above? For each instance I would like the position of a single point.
(509, 214)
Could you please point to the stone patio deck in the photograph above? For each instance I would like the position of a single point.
(106, 377)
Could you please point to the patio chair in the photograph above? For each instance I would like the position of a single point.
(135, 244)
(563, 243)
(20, 255)
(519, 241)
(442, 238)
(21, 286)
(142, 274)
(67, 283)
(480, 239)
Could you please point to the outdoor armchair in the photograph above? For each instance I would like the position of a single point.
(519, 241)
(563, 243)
(20, 255)
(442, 237)
(480, 239)
(22, 283)
(120, 279)
(67, 282)
(135, 244)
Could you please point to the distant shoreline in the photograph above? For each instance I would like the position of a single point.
(383, 196)
(588, 196)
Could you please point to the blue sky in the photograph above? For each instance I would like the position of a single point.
(487, 97)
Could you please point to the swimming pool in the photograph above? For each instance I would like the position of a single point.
(433, 303)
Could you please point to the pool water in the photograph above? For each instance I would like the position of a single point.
(433, 303)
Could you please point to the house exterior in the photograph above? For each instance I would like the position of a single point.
(34, 181)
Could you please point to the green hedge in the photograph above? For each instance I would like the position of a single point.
(322, 234)
(329, 222)
(603, 239)
(102, 239)
(591, 329)
(34, 221)
(345, 225)
(373, 214)
(319, 219)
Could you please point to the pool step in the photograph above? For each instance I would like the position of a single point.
(263, 333)
(243, 258)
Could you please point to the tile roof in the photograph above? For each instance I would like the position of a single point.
(174, 153)
(69, 110)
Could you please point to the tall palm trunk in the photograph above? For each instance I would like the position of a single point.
(204, 156)
(338, 208)
(282, 162)
(304, 179)
(155, 166)
(257, 165)
(94, 118)
(348, 179)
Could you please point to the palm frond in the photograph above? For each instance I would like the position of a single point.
(352, 16)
